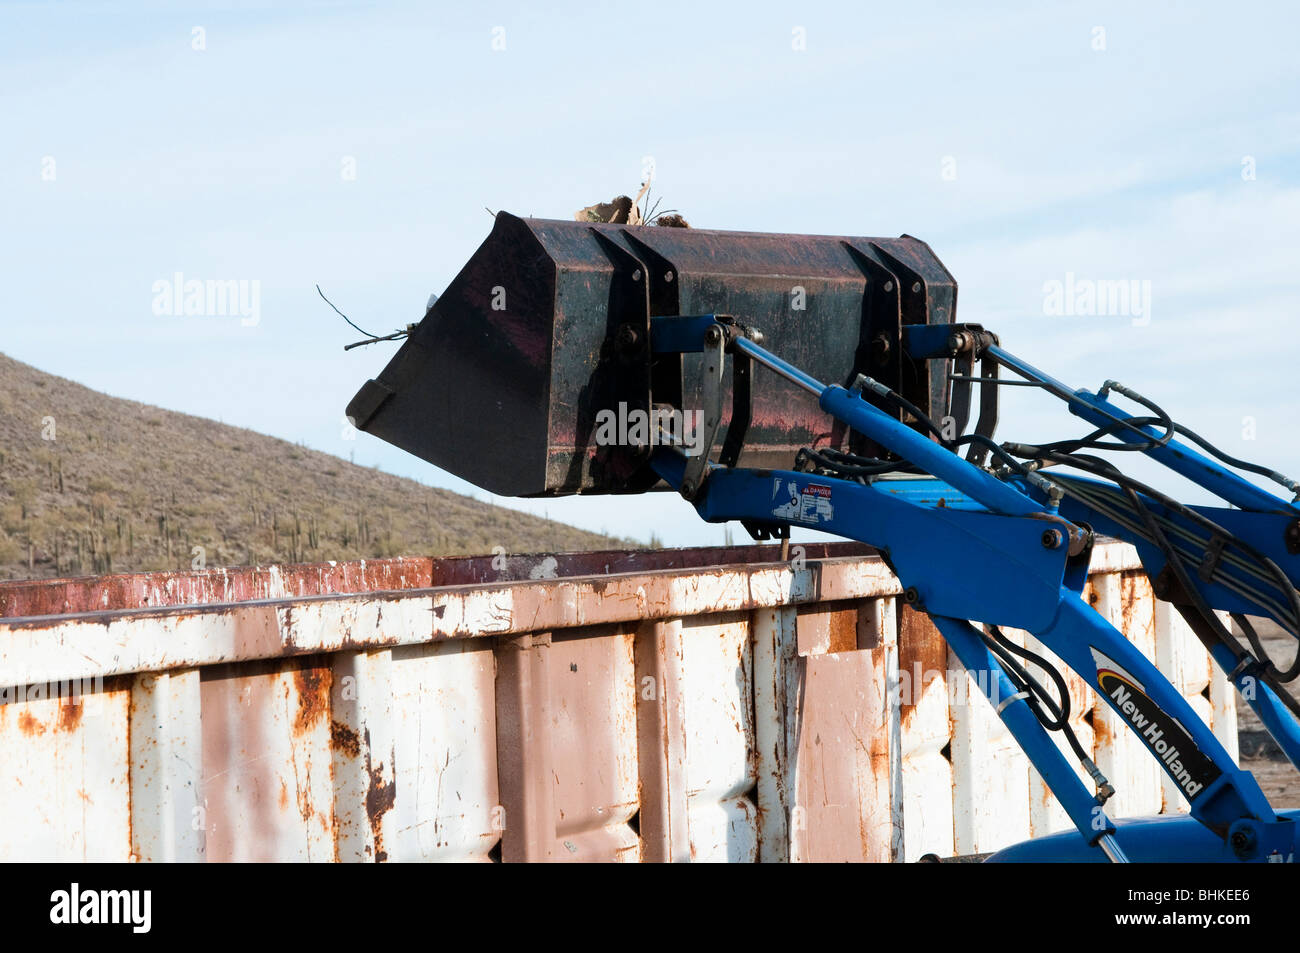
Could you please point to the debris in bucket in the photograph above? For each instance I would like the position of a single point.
(623, 210)
(615, 212)
(671, 220)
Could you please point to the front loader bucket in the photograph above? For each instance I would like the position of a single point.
(548, 325)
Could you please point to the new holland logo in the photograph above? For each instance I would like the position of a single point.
(1168, 740)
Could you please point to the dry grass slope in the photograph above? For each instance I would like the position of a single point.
(124, 486)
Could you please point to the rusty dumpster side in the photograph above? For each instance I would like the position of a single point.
(706, 705)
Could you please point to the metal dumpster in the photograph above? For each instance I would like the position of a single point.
(709, 705)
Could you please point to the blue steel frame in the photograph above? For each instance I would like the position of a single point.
(973, 548)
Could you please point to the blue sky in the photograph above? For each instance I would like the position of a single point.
(1024, 142)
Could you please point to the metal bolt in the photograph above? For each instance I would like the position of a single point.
(668, 276)
(636, 275)
(889, 286)
(627, 338)
(1052, 539)
(916, 286)
(911, 595)
(960, 341)
(880, 349)
(713, 335)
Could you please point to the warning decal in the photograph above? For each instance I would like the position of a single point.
(810, 504)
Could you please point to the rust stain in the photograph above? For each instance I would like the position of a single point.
(381, 796)
(1127, 604)
(286, 628)
(132, 708)
(1137, 601)
(921, 649)
(238, 584)
(313, 686)
(843, 625)
(284, 795)
(343, 738)
(29, 725)
(1103, 734)
(70, 711)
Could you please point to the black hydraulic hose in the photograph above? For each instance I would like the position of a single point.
(1174, 560)
(1060, 711)
(1091, 441)
(1154, 533)
(849, 465)
(1170, 427)
(1153, 528)
(1279, 478)
(994, 447)
(1267, 670)
(1005, 650)
(983, 440)
(844, 458)
(1253, 638)
(1166, 421)
(900, 401)
(1098, 500)
(1281, 581)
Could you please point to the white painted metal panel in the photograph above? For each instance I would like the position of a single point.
(65, 792)
(168, 820)
(991, 798)
(720, 766)
(443, 761)
(268, 790)
(594, 740)
(776, 691)
(926, 728)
